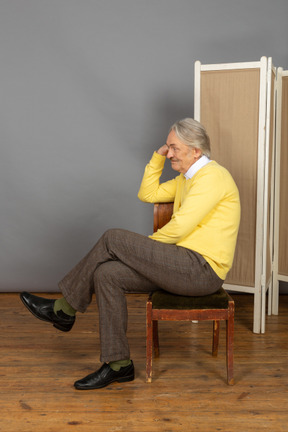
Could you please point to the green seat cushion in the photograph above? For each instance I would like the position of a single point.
(164, 300)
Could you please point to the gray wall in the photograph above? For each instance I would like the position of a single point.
(88, 91)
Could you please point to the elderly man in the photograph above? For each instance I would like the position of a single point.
(191, 255)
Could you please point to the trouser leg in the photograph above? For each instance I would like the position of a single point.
(170, 267)
(112, 281)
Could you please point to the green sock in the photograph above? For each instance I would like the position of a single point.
(116, 365)
(62, 304)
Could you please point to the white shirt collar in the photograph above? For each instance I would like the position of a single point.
(204, 160)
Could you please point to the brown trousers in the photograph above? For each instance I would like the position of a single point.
(125, 262)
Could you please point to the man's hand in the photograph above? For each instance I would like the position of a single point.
(163, 150)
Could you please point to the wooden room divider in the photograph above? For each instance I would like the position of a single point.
(235, 102)
(280, 258)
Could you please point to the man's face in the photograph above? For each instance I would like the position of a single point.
(181, 156)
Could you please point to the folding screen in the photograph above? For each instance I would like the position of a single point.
(280, 259)
(269, 197)
(233, 101)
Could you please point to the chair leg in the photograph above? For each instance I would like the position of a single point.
(229, 344)
(216, 327)
(155, 338)
(149, 341)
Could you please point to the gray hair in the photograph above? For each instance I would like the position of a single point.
(193, 134)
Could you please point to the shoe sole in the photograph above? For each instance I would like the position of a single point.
(59, 327)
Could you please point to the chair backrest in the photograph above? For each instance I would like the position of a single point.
(162, 214)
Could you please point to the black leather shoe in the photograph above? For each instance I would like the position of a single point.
(43, 309)
(105, 376)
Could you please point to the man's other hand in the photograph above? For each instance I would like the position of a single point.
(163, 150)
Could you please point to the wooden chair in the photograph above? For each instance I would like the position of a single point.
(162, 305)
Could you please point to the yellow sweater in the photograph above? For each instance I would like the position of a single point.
(206, 213)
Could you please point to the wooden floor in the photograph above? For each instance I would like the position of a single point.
(39, 364)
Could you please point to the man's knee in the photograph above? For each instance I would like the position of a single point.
(103, 272)
(108, 273)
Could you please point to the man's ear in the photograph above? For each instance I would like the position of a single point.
(197, 153)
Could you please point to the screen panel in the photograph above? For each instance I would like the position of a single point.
(283, 225)
(271, 146)
(229, 109)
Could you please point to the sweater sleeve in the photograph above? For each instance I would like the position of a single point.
(150, 189)
(199, 202)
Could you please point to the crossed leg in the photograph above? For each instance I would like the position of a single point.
(123, 261)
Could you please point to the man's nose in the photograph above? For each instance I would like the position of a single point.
(170, 154)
